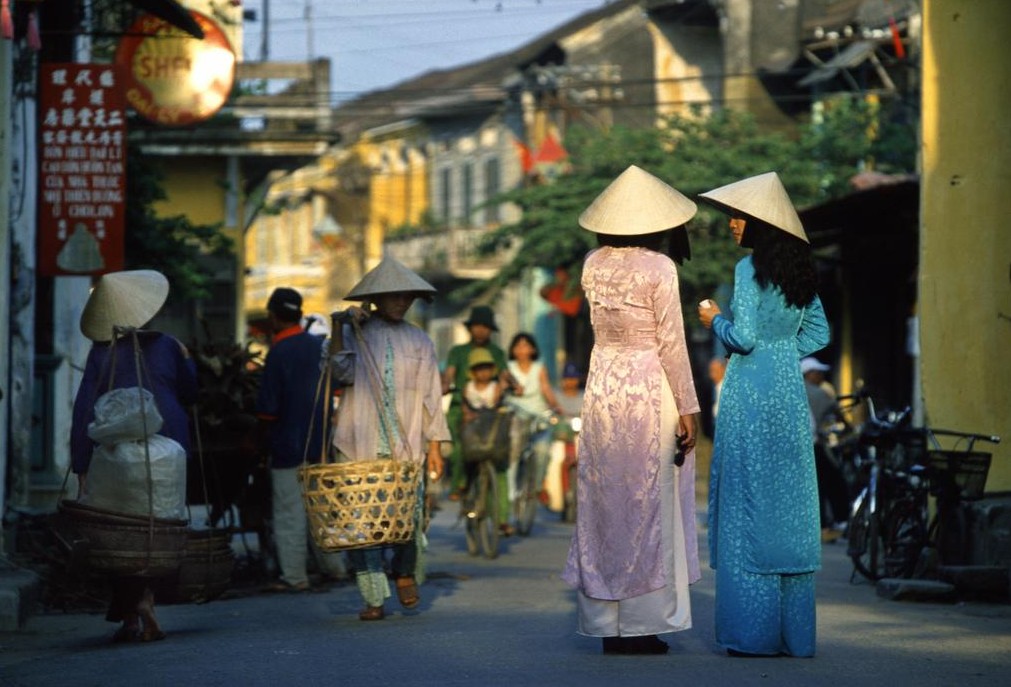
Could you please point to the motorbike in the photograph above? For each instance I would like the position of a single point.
(560, 479)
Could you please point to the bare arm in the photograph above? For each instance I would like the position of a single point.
(688, 429)
(435, 462)
(448, 377)
(548, 392)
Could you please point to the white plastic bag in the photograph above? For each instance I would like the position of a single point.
(118, 416)
(117, 478)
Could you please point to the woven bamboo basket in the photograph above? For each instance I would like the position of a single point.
(124, 544)
(360, 504)
(206, 570)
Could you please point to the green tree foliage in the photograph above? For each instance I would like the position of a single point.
(696, 154)
(172, 245)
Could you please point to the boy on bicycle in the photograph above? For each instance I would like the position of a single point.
(483, 392)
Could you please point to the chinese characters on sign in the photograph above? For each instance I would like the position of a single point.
(82, 169)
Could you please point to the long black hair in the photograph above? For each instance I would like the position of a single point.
(671, 242)
(781, 260)
(529, 338)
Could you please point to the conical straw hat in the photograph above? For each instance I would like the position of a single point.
(390, 276)
(636, 203)
(761, 197)
(124, 299)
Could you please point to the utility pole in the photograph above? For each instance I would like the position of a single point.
(308, 30)
(265, 32)
(6, 134)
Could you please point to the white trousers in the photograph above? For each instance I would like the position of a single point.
(291, 533)
(667, 609)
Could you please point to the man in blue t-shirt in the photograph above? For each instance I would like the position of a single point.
(293, 409)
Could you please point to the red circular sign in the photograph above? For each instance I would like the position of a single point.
(173, 78)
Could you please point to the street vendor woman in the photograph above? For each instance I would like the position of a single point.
(388, 366)
(115, 318)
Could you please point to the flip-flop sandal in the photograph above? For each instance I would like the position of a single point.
(152, 635)
(282, 587)
(127, 634)
(407, 592)
(372, 613)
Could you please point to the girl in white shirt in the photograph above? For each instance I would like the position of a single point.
(531, 395)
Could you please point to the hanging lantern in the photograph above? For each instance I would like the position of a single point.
(32, 33)
(6, 23)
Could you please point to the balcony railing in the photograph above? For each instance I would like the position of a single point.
(450, 252)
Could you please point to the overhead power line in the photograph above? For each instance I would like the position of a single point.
(383, 99)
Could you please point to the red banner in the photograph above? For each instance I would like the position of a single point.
(82, 169)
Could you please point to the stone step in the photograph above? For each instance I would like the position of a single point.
(978, 581)
(19, 594)
(897, 589)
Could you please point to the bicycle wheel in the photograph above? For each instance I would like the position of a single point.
(569, 512)
(471, 521)
(865, 545)
(487, 511)
(904, 536)
(951, 534)
(526, 495)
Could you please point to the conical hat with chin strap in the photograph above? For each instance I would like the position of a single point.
(635, 203)
(390, 276)
(762, 197)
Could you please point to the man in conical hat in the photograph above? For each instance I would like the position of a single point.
(388, 365)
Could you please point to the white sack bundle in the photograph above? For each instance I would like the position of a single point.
(117, 478)
(118, 416)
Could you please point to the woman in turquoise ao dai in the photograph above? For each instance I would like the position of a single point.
(764, 537)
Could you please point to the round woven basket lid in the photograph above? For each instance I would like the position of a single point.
(123, 299)
(635, 203)
(762, 197)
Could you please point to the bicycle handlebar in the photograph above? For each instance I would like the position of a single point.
(971, 436)
(991, 438)
(858, 395)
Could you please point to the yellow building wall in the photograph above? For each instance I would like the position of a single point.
(280, 247)
(195, 187)
(965, 250)
(398, 189)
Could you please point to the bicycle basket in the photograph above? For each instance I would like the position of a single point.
(486, 437)
(958, 473)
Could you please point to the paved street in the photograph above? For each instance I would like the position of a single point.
(505, 622)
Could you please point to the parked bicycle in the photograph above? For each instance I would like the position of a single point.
(956, 478)
(890, 528)
(839, 434)
(888, 449)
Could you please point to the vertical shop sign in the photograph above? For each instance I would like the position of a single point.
(82, 169)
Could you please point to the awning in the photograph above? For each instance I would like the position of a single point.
(172, 12)
(880, 205)
(853, 55)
